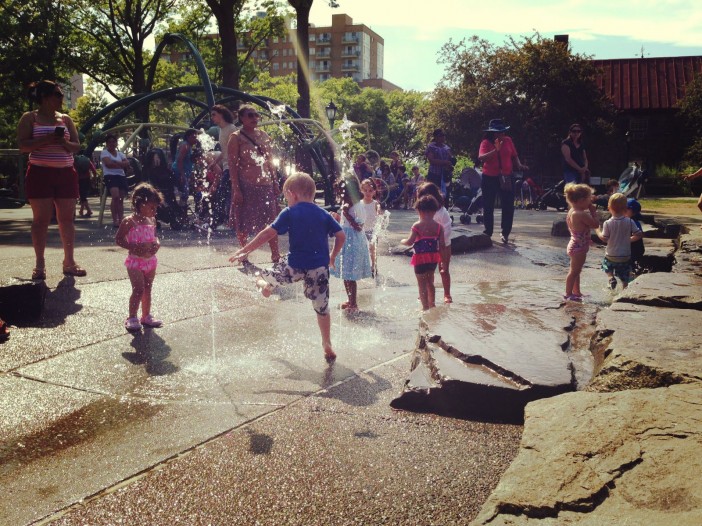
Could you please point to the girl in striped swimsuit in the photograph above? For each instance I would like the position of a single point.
(427, 239)
(581, 219)
(137, 233)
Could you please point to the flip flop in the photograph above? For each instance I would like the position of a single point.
(75, 270)
(39, 274)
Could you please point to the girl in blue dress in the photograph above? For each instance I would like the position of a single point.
(353, 262)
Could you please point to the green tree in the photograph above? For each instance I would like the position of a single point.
(691, 117)
(537, 85)
(32, 48)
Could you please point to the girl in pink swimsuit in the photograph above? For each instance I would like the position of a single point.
(581, 219)
(137, 233)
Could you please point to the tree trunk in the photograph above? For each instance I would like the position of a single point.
(302, 9)
(139, 84)
(227, 35)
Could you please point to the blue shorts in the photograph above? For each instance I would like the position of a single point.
(622, 269)
(116, 181)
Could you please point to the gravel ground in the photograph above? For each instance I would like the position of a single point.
(339, 457)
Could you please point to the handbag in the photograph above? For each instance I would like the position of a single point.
(505, 180)
(506, 183)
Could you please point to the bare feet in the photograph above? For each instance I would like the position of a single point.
(329, 354)
(448, 299)
(266, 288)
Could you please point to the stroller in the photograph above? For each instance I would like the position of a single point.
(468, 196)
(158, 174)
(631, 181)
(552, 197)
(529, 193)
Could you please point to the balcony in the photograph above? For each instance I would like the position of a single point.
(323, 40)
(349, 38)
(324, 53)
(350, 65)
(350, 53)
(323, 67)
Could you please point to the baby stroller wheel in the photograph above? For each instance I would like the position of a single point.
(479, 218)
(465, 219)
(542, 205)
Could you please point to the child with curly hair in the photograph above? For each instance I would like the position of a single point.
(137, 234)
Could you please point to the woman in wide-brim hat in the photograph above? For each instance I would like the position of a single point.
(498, 155)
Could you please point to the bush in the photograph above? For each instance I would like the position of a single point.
(672, 176)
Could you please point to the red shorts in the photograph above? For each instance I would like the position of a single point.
(43, 182)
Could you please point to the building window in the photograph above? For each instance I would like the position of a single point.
(285, 52)
(275, 66)
(311, 37)
(292, 65)
(312, 51)
(285, 65)
(275, 40)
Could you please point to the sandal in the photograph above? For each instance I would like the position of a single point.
(39, 274)
(75, 270)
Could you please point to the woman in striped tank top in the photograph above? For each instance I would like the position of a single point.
(50, 138)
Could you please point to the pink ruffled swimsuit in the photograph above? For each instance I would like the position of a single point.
(141, 234)
(579, 241)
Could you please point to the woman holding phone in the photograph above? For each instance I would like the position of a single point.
(50, 138)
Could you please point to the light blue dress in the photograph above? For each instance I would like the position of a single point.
(353, 262)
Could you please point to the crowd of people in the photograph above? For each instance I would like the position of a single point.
(56, 178)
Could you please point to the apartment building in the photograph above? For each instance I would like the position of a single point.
(343, 49)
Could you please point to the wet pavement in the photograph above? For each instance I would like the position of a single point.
(229, 414)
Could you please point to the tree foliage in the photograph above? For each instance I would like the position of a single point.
(691, 116)
(32, 48)
(538, 86)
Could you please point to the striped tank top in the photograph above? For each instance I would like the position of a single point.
(51, 155)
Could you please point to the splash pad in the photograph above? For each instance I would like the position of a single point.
(299, 143)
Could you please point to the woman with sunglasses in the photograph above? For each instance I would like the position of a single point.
(575, 168)
(255, 188)
(50, 138)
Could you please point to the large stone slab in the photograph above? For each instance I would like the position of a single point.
(689, 255)
(620, 458)
(681, 291)
(643, 346)
(659, 255)
(468, 243)
(487, 360)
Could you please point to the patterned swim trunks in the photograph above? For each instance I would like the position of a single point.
(621, 269)
(316, 282)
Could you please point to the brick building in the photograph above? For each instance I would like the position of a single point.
(343, 49)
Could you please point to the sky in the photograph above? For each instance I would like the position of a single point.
(415, 30)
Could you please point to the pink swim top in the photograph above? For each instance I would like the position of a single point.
(141, 234)
(579, 241)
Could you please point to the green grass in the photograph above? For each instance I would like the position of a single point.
(669, 203)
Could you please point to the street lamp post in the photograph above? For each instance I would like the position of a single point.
(331, 113)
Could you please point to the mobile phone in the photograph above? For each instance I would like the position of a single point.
(58, 131)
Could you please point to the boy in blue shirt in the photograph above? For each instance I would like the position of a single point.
(633, 212)
(309, 228)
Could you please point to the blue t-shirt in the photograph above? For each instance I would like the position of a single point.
(309, 228)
